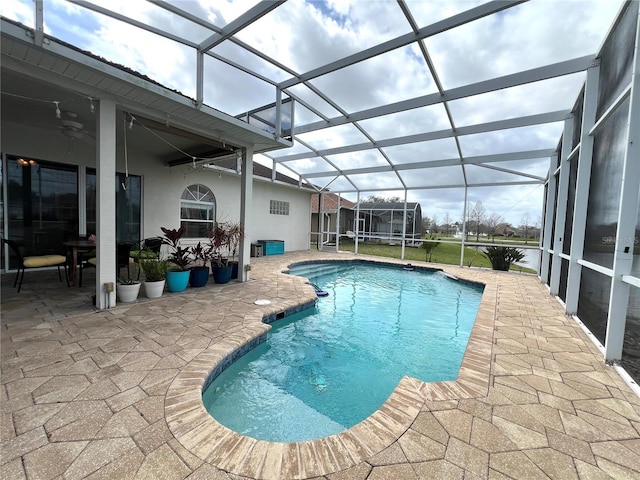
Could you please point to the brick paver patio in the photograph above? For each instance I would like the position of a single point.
(116, 394)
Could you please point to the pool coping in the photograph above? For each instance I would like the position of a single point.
(203, 436)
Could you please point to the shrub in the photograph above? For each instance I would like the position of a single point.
(429, 245)
(501, 258)
(154, 269)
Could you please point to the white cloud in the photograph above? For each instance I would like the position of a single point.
(304, 35)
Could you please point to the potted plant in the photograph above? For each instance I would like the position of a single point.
(235, 232)
(178, 259)
(155, 271)
(128, 287)
(219, 240)
(199, 272)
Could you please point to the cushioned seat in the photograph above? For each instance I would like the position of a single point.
(34, 261)
(143, 254)
(44, 261)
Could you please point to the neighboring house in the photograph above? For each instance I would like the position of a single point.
(327, 203)
(384, 220)
(377, 221)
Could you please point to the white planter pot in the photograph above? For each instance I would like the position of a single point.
(128, 293)
(154, 289)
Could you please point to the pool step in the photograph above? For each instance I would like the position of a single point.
(316, 270)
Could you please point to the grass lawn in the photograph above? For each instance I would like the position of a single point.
(446, 253)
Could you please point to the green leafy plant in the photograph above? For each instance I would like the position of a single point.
(178, 255)
(218, 241)
(154, 270)
(502, 258)
(235, 232)
(199, 254)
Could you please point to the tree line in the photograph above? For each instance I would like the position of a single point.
(480, 222)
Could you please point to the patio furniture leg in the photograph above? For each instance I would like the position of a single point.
(66, 274)
(21, 274)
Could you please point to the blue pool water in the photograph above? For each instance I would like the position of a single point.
(327, 368)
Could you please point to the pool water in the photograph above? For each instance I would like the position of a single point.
(327, 368)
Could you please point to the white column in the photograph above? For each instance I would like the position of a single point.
(82, 199)
(338, 224)
(582, 189)
(627, 221)
(357, 225)
(548, 218)
(404, 225)
(321, 220)
(464, 227)
(106, 204)
(246, 200)
(561, 207)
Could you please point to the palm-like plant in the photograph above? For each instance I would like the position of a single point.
(178, 255)
(218, 240)
(200, 254)
(235, 232)
(502, 258)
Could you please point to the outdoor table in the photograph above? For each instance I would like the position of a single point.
(75, 246)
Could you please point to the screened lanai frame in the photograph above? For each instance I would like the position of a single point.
(299, 109)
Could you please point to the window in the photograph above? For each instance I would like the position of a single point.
(197, 211)
(279, 208)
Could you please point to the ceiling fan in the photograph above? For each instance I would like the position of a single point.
(72, 128)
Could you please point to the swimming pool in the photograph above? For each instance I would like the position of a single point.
(323, 370)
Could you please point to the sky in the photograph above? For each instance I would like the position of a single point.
(304, 35)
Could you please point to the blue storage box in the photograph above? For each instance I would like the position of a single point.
(272, 247)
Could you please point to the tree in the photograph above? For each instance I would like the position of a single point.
(477, 214)
(434, 224)
(380, 199)
(493, 222)
(526, 222)
(429, 246)
(426, 224)
(447, 223)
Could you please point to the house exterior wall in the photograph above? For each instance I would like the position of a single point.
(162, 186)
(292, 228)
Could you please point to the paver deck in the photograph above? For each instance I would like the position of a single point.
(116, 394)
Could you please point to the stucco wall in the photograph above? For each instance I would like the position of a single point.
(162, 186)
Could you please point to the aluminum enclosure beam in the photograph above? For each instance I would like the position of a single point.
(448, 162)
(404, 40)
(246, 19)
(521, 78)
(526, 121)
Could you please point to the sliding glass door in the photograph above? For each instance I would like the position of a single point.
(42, 208)
(128, 206)
(42, 203)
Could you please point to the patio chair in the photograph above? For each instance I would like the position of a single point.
(85, 260)
(122, 260)
(34, 261)
(149, 248)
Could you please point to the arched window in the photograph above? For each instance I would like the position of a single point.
(197, 211)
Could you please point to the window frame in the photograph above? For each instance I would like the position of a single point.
(193, 199)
